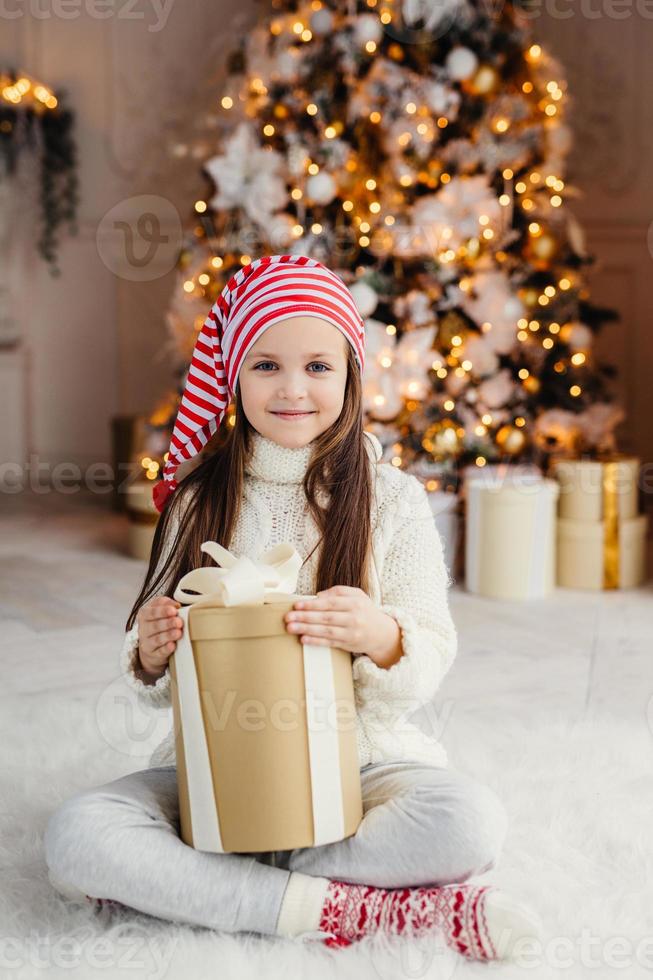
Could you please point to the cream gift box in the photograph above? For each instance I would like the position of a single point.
(265, 729)
(142, 516)
(601, 538)
(593, 489)
(510, 537)
(589, 559)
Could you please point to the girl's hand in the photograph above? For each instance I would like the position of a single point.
(347, 618)
(159, 628)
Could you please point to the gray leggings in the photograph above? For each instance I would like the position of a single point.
(422, 825)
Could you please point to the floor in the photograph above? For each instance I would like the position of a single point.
(549, 701)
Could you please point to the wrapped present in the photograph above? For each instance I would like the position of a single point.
(265, 726)
(598, 489)
(142, 516)
(510, 537)
(601, 537)
(595, 555)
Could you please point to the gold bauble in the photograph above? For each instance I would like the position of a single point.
(510, 439)
(443, 438)
(484, 81)
(541, 250)
(451, 325)
(529, 296)
(532, 384)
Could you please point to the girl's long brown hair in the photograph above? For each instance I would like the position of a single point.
(337, 484)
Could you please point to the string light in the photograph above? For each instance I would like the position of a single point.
(25, 89)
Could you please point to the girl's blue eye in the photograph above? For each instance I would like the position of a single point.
(318, 367)
(262, 363)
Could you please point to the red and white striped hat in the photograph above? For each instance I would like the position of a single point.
(267, 290)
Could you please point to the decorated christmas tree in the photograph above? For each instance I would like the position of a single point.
(419, 150)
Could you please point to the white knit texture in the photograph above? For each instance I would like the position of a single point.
(409, 581)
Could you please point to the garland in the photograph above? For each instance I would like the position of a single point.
(32, 118)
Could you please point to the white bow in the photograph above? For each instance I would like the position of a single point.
(241, 581)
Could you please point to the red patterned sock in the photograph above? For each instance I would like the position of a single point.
(457, 912)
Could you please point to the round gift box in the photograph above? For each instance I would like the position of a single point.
(142, 516)
(510, 537)
(265, 733)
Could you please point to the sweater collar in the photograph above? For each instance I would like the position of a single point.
(273, 463)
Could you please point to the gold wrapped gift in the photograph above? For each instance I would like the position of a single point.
(597, 489)
(142, 516)
(265, 727)
(584, 545)
(601, 538)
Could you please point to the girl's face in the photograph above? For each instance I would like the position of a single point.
(292, 382)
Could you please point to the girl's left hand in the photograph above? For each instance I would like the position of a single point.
(347, 618)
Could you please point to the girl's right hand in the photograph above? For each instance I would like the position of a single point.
(159, 628)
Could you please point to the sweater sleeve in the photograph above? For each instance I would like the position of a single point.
(158, 695)
(414, 591)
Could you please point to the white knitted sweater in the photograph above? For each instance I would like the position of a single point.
(408, 580)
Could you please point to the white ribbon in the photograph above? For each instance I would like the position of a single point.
(243, 581)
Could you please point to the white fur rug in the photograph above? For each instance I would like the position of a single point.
(550, 703)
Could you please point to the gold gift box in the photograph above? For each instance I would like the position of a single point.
(268, 771)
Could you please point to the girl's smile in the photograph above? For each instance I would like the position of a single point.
(291, 414)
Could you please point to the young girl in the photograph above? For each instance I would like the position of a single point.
(286, 341)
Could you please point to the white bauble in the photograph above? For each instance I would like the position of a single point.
(441, 98)
(279, 229)
(579, 336)
(321, 22)
(461, 63)
(365, 298)
(297, 157)
(367, 27)
(321, 188)
(286, 65)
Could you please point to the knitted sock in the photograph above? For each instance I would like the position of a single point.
(478, 921)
